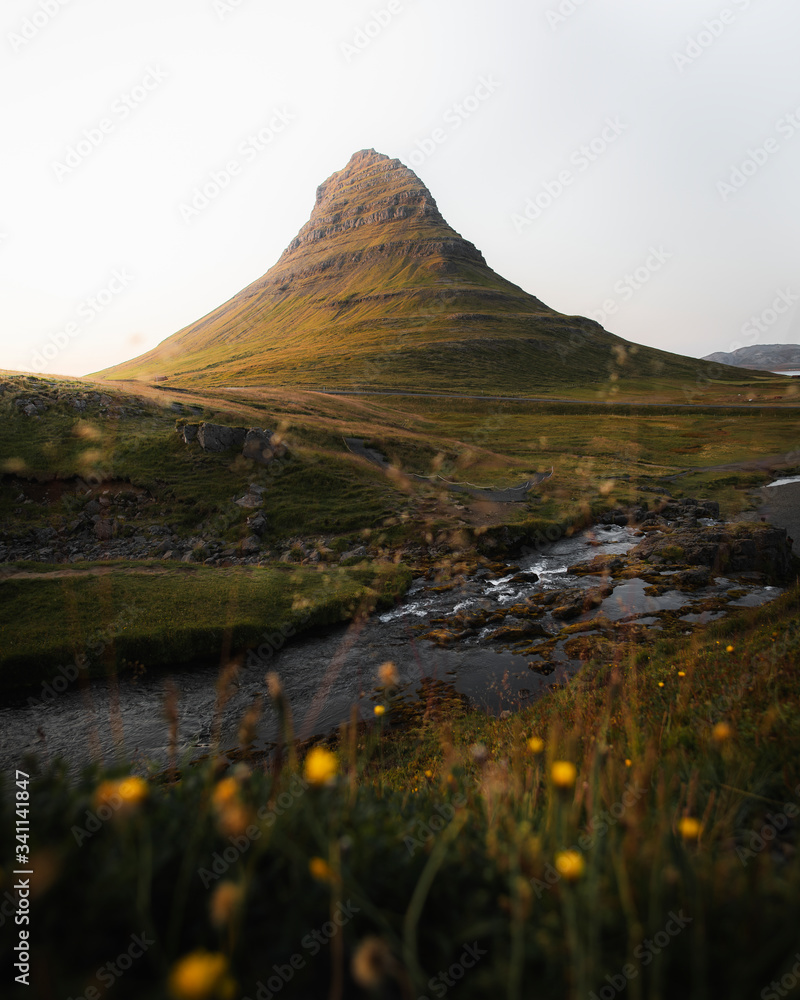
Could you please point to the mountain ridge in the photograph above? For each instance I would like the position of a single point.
(378, 290)
(760, 357)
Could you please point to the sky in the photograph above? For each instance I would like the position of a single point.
(635, 161)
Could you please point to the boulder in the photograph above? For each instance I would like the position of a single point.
(189, 432)
(257, 446)
(104, 529)
(217, 437)
(257, 524)
(251, 545)
(732, 548)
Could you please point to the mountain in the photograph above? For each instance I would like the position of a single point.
(765, 357)
(378, 291)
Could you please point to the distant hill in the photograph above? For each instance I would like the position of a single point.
(378, 291)
(761, 357)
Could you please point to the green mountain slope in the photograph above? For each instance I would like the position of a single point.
(378, 291)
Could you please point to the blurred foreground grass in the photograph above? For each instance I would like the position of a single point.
(635, 832)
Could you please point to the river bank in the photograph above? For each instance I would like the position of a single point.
(494, 640)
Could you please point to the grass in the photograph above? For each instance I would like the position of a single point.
(443, 828)
(668, 848)
(117, 617)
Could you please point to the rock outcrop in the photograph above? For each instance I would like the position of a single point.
(218, 437)
(260, 446)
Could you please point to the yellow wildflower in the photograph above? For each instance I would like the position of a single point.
(225, 901)
(536, 744)
(563, 773)
(200, 975)
(570, 865)
(321, 766)
(123, 796)
(722, 732)
(320, 870)
(379, 710)
(225, 792)
(689, 827)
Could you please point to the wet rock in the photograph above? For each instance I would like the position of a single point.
(691, 579)
(544, 668)
(599, 566)
(517, 632)
(732, 548)
(577, 603)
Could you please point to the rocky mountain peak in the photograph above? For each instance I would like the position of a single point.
(383, 200)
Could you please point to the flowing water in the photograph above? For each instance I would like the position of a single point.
(325, 674)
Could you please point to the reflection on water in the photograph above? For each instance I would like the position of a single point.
(785, 481)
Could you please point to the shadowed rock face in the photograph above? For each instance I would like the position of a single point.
(216, 437)
(371, 192)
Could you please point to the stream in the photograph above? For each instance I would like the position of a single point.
(325, 674)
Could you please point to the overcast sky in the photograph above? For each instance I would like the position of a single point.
(631, 160)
